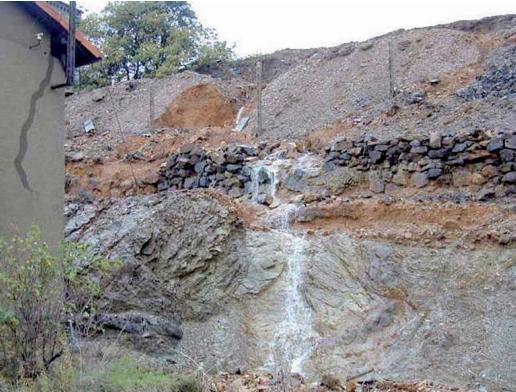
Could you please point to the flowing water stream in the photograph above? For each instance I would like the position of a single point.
(293, 339)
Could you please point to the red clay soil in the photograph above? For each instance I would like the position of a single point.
(198, 107)
(113, 175)
(408, 222)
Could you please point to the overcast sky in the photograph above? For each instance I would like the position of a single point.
(265, 26)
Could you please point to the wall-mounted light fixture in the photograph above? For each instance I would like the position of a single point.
(39, 38)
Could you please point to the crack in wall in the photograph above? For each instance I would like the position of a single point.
(22, 151)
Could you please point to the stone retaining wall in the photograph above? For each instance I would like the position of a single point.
(194, 167)
(471, 158)
(482, 161)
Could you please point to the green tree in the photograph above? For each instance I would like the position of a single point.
(148, 39)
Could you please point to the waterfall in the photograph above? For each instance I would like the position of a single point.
(292, 341)
(239, 115)
(265, 179)
(240, 121)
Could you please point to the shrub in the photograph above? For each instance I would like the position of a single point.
(39, 291)
(31, 304)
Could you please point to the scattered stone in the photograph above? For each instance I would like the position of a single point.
(460, 178)
(187, 148)
(477, 179)
(134, 156)
(376, 184)
(235, 192)
(509, 178)
(232, 168)
(489, 171)
(98, 96)
(199, 167)
(507, 155)
(438, 154)
(89, 127)
(387, 200)
(435, 140)
(419, 150)
(403, 45)
(419, 179)
(400, 178)
(151, 179)
(391, 188)
(461, 147)
(485, 194)
(415, 97)
(434, 173)
(366, 45)
(375, 156)
(511, 142)
(498, 81)
(131, 85)
(495, 145)
(74, 157)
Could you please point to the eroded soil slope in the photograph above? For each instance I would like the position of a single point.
(365, 238)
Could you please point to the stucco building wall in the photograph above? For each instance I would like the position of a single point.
(31, 129)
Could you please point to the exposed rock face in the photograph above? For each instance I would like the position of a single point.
(415, 303)
(163, 241)
(216, 289)
(178, 264)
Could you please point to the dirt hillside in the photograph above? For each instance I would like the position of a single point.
(365, 240)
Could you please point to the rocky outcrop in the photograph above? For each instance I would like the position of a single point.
(165, 240)
(396, 310)
(197, 284)
(178, 262)
(376, 258)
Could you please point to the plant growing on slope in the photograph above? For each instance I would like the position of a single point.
(39, 291)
